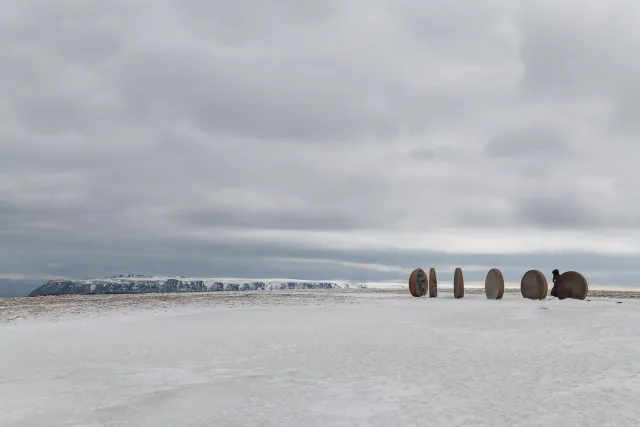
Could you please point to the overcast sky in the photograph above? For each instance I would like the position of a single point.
(319, 139)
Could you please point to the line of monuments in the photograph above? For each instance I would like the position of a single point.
(533, 285)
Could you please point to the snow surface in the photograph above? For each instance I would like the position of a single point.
(320, 359)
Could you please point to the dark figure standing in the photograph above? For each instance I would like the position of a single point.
(556, 274)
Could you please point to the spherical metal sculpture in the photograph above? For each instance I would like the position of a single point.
(458, 284)
(534, 285)
(418, 283)
(433, 283)
(570, 284)
(494, 284)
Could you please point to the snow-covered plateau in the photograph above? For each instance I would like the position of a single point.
(305, 358)
(133, 283)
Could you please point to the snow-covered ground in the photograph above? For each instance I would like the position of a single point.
(320, 359)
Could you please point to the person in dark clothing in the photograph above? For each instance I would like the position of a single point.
(556, 274)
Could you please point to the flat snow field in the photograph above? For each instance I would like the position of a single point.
(319, 359)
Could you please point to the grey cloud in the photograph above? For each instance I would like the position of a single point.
(582, 51)
(243, 20)
(262, 261)
(488, 213)
(312, 218)
(121, 124)
(424, 153)
(76, 31)
(295, 80)
(437, 153)
(474, 34)
(582, 57)
(558, 213)
(256, 95)
(530, 141)
(50, 114)
(624, 122)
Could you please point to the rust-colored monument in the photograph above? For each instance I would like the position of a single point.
(418, 283)
(458, 284)
(494, 284)
(569, 284)
(433, 283)
(534, 285)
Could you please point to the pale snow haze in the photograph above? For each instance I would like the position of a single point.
(319, 139)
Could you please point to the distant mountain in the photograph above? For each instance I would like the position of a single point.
(135, 284)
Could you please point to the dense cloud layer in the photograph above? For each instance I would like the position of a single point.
(318, 139)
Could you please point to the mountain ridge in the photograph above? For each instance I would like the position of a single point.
(136, 284)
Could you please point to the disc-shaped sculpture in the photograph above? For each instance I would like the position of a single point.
(571, 284)
(534, 285)
(458, 284)
(494, 284)
(433, 283)
(418, 283)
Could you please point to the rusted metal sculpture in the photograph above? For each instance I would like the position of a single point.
(433, 283)
(458, 284)
(494, 284)
(418, 283)
(534, 285)
(569, 284)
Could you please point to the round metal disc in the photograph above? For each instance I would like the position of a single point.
(458, 284)
(571, 284)
(534, 285)
(433, 283)
(494, 284)
(418, 283)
